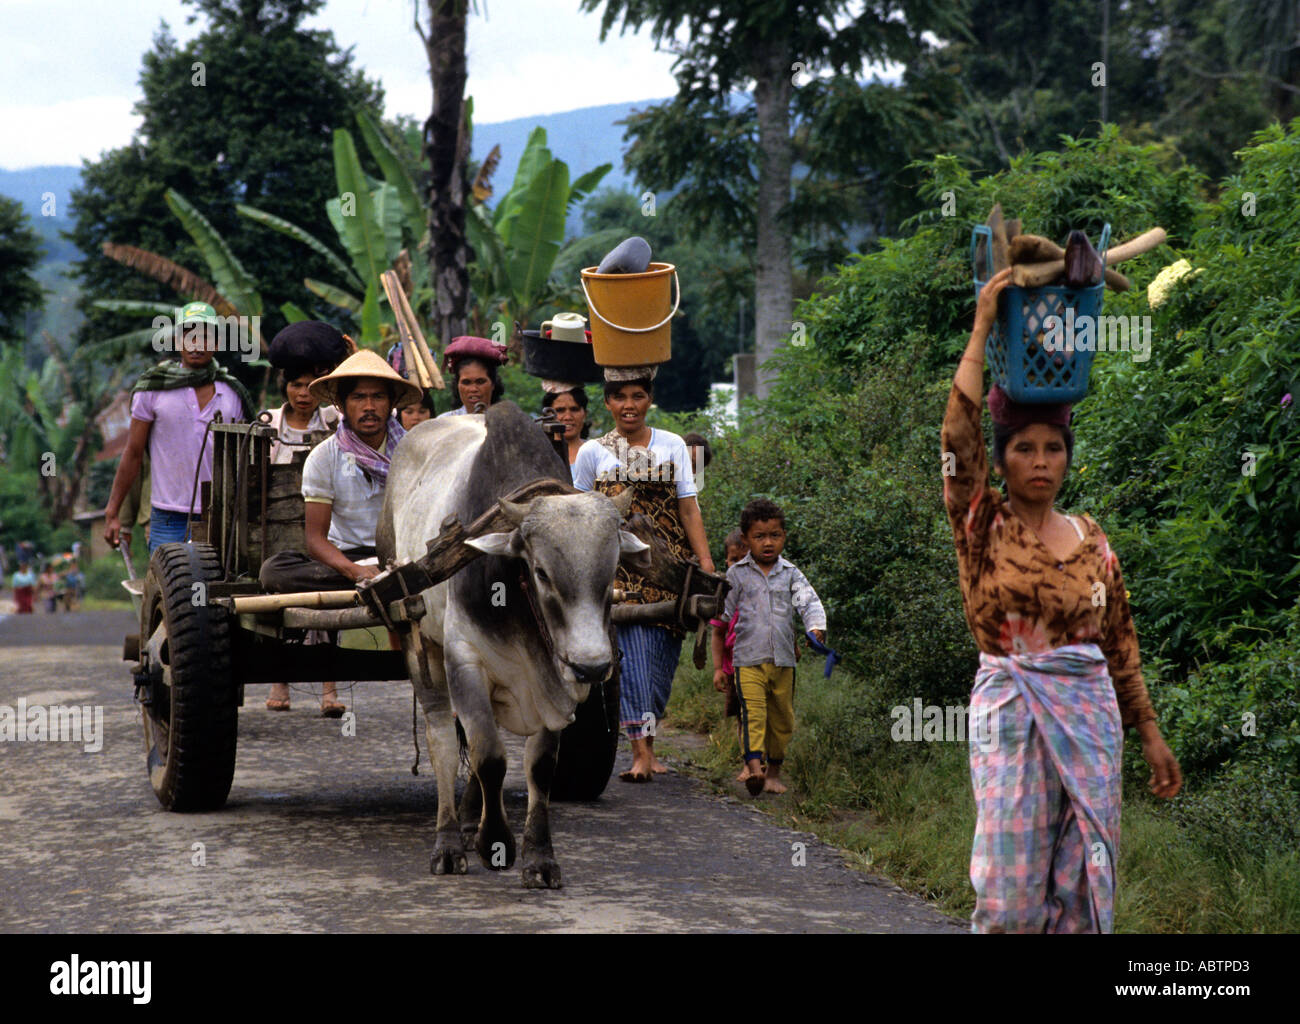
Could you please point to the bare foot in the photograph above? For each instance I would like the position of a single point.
(755, 777)
(744, 774)
(773, 785)
(658, 767)
(643, 761)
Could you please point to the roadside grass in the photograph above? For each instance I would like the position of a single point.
(906, 810)
(101, 604)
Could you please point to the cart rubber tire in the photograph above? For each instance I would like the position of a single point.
(589, 745)
(190, 744)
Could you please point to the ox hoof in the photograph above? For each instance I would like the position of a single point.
(496, 849)
(542, 874)
(448, 856)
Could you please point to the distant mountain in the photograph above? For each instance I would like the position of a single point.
(583, 139)
(41, 189)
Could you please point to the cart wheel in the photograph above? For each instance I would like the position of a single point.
(190, 712)
(589, 745)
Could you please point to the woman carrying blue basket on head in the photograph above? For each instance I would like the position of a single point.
(1060, 677)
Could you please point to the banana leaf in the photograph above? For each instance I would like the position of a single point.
(371, 317)
(536, 232)
(581, 188)
(489, 252)
(122, 346)
(388, 212)
(292, 313)
(361, 232)
(285, 227)
(535, 160)
(334, 295)
(395, 173)
(179, 279)
(133, 306)
(232, 279)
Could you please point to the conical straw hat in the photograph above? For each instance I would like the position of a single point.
(364, 364)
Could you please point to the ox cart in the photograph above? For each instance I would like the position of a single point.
(207, 629)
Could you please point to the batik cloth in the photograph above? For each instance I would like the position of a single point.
(1045, 751)
(659, 477)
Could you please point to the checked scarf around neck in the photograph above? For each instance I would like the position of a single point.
(375, 463)
(171, 373)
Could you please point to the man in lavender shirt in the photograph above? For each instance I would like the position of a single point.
(171, 407)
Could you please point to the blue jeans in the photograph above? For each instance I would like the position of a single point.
(165, 527)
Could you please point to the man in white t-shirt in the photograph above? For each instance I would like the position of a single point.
(343, 479)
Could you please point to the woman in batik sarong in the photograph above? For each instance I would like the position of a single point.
(1059, 677)
(656, 464)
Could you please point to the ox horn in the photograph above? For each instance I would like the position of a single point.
(623, 502)
(513, 510)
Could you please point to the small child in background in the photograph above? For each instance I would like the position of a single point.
(724, 641)
(766, 590)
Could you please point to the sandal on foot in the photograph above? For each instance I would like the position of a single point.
(275, 704)
(332, 709)
(754, 784)
(631, 776)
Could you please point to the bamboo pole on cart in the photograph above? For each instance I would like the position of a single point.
(413, 327)
(415, 369)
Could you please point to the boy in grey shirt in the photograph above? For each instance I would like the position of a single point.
(767, 589)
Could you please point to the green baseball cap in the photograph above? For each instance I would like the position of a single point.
(198, 313)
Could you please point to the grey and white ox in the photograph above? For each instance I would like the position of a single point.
(479, 650)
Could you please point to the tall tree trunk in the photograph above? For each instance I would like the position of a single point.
(773, 287)
(446, 146)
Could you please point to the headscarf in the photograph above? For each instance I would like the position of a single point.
(375, 463)
(1018, 415)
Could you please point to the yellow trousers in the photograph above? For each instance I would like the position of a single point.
(766, 710)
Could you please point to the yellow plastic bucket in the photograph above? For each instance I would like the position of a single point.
(632, 314)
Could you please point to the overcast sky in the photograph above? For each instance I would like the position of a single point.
(69, 78)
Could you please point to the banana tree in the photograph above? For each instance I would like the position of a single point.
(47, 420)
(374, 220)
(517, 243)
(234, 292)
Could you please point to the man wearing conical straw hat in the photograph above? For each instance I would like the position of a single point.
(344, 477)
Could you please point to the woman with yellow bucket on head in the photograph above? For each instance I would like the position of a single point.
(630, 329)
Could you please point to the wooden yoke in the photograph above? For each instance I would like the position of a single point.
(700, 594)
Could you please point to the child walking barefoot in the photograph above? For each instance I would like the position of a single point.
(765, 592)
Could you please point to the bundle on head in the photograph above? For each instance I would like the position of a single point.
(307, 344)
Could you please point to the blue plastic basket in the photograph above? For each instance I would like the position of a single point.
(1020, 364)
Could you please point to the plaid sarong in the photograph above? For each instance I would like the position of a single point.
(1047, 792)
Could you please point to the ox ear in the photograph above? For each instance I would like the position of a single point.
(505, 544)
(633, 552)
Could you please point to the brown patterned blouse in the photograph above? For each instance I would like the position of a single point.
(1018, 598)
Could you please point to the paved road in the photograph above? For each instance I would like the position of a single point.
(326, 833)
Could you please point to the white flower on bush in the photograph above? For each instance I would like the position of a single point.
(1159, 289)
